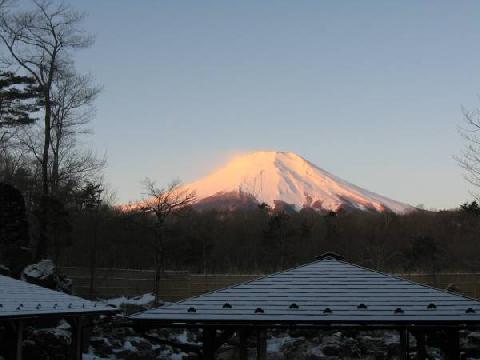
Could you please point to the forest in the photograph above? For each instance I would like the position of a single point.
(264, 241)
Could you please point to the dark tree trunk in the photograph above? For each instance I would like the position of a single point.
(46, 144)
(93, 256)
(42, 244)
(158, 275)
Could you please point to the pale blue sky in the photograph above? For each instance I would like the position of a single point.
(368, 90)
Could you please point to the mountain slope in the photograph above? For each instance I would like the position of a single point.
(273, 177)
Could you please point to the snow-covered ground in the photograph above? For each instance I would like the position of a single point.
(110, 342)
(275, 344)
(46, 274)
(41, 270)
(141, 300)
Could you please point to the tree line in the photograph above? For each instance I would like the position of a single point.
(264, 240)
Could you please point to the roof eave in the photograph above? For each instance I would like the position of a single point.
(59, 314)
(314, 324)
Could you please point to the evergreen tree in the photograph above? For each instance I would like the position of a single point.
(18, 100)
(14, 226)
(471, 208)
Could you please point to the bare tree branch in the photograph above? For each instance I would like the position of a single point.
(163, 203)
(469, 159)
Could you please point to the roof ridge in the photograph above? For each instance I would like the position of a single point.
(329, 255)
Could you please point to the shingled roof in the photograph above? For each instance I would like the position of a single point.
(19, 299)
(329, 291)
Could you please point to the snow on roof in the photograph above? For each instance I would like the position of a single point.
(21, 299)
(328, 291)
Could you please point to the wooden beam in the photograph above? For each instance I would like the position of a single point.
(243, 353)
(77, 338)
(452, 345)
(404, 344)
(209, 335)
(261, 344)
(19, 349)
(421, 349)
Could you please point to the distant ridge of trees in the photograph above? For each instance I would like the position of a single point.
(264, 240)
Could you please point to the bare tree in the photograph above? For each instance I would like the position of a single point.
(4, 5)
(469, 160)
(164, 203)
(40, 41)
(73, 107)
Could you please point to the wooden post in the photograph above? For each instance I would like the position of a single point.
(404, 344)
(452, 351)
(77, 338)
(261, 344)
(243, 354)
(421, 349)
(209, 343)
(19, 350)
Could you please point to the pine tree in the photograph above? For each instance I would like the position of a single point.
(19, 97)
(14, 233)
(471, 208)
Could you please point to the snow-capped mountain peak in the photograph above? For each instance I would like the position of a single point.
(272, 176)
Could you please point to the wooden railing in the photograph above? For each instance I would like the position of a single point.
(177, 285)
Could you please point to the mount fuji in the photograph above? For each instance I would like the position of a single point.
(285, 179)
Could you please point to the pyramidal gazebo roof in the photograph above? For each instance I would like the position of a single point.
(19, 299)
(329, 291)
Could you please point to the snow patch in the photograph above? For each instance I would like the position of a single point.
(140, 300)
(127, 345)
(42, 270)
(183, 338)
(275, 344)
(90, 356)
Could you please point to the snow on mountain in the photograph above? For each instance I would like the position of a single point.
(275, 177)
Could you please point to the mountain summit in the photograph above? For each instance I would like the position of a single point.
(277, 178)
